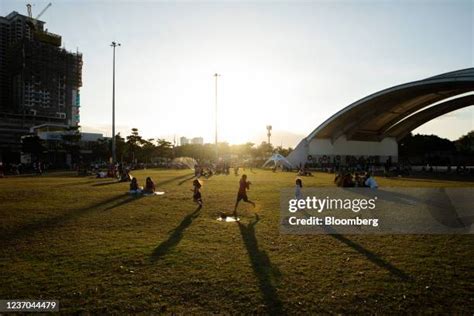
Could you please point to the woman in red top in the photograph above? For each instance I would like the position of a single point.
(244, 185)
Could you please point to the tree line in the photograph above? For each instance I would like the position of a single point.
(434, 150)
(134, 148)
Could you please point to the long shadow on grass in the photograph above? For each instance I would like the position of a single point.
(70, 184)
(374, 258)
(262, 268)
(106, 183)
(32, 228)
(438, 202)
(187, 179)
(131, 198)
(175, 237)
(175, 179)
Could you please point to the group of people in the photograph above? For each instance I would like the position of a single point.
(358, 180)
(201, 171)
(208, 170)
(222, 167)
(119, 171)
(149, 188)
(37, 167)
(303, 172)
(341, 180)
(112, 171)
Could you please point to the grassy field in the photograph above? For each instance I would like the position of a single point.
(87, 243)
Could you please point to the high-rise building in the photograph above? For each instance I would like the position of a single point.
(197, 140)
(39, 81)
(183, 141)
(194, 141)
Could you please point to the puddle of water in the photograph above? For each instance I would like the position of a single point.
(154, 193)
(228, 219)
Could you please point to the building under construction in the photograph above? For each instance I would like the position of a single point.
(39, 81)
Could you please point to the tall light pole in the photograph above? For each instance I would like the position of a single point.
(114, 156)
(269, 133)
(216, 75)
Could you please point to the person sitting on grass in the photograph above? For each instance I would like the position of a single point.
(149, 186)
(197, 171)
(370, 181)
(298, 187)
(134, 187)
(339, 179)
(197, 193)
(347, 181)
(209, 173)
(358, 180)
(303, 172)
(101, 174)
(125, 176)
(244, 185)
(111, 171)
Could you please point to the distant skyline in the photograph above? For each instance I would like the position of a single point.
(288, 64)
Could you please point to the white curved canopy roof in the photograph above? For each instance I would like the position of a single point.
(398, 110)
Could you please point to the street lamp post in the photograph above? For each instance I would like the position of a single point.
(114, 157)
(216, 75)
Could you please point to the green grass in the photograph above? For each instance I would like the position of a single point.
(96, 249)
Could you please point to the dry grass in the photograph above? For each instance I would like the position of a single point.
(96, 249)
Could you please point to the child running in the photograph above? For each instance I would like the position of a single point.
(244, 185)
(197, 193)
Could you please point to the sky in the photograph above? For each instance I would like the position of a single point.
(286, 64)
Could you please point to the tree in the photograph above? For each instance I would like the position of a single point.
(429, 149)
(283, 151)
(120, 147)
(248, 149)
(263, 151)
(164, 148)
(465, 144)
(241, 153)
(32, 145)
(134, 143)
(147, 150)
(424, 144)
(100, 149)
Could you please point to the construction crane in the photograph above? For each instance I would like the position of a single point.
(28, 7)
(33, 22)
(44, 10)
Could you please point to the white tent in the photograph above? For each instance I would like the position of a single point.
(277, 160)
